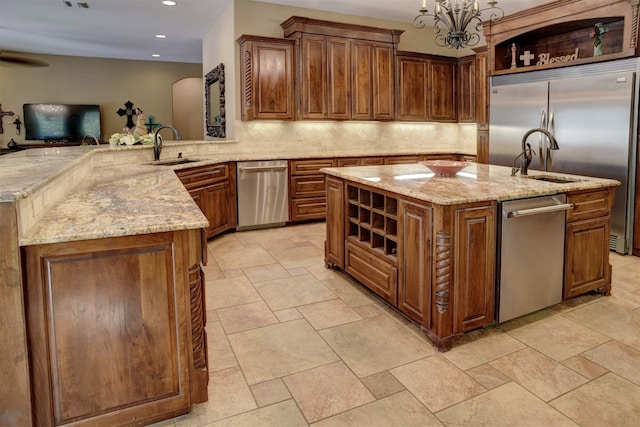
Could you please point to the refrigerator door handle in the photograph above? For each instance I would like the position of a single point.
(549, 158)
(542, 157)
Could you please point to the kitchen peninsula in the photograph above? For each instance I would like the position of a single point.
(428, 244)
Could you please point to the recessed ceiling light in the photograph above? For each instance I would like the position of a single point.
(161, 36)
(156, 55)
(169, 3)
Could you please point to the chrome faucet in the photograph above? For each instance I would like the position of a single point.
(157, 140)
(553, 145)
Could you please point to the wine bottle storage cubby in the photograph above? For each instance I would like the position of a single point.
(373, 220)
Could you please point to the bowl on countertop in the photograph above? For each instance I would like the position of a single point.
(445, 167)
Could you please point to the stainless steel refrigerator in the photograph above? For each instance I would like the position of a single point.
(590, 109)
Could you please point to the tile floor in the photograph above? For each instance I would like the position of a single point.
(292, 343)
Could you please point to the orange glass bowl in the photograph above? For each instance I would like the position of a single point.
(445, 167)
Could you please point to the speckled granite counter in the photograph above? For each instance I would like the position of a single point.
(475, 183)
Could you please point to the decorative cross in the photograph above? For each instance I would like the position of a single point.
(527, 56)
(2, 114)
(129, 112)
(151, 125)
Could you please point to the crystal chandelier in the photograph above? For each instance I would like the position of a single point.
(451, 19)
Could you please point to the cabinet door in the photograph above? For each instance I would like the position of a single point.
(339, 78)
(474, 276)
(442, 90)
(482, 91)
(587, 256)
(314, 77)
(482, 149)
(383, 82)
(216, 206)
(467, 90)
(334, 245)
(414, 284)
(412, 89)
(362, 86)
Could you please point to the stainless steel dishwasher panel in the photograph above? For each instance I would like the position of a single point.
(263, 197)
(532, 233)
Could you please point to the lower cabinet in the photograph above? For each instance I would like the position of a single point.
(213, 188)
(116, 329)
(587, 243)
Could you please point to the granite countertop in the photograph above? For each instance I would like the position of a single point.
(475, 183)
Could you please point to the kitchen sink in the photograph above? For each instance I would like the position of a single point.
(173, 162)
(554, 179)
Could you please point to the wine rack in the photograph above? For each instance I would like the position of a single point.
(373, 221)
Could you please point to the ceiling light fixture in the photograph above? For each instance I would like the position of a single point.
(68, 3)
(156, 55)
(161, 36)
(451, 20)
(169, 3)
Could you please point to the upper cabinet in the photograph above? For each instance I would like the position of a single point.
(345, 71)
(267, 84)
(563, 33)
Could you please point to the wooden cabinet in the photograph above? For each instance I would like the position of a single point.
(116, 329)
(346, 71)
(334, 244)
(307, 191)
(482, 147)
(267, 78)
(213, 188)
(466, 89)
(414, 253)
(587, 243)
(427, 88)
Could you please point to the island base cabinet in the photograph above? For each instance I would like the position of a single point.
(376, 274)
(115, 329)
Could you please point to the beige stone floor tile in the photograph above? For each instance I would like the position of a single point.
(382, 384)
(509, 405)
(627, 277)
(220, 355)
(228, 395)
(278, 244)
(165, 423)
(525, 320)
(558, 337)
(482, 346)
(488, 376)
(616, 260)
(212, 270)
(226, 242)
(288, 314)
(606, 401)
(321, 272)
(246, 316)
(283, 414)
(298, 271)
(274, 351)
(293, 292)
(299, 256)
(624, 298)
(261, 235)
(437, 383)
(585, 367)
(247, 257)
(618, 358)
(329, 313)
(212, 316)
(262, 273)
(229, 292)
(238, 272)
(350, 292)
(327, 390)
(270, 392)
(575, 303)
(368, 310)
(398, 410)
(538, 373)
(375, 344)
(611, 320)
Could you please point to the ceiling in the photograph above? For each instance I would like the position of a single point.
(126, 28)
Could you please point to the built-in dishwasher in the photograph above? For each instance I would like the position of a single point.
(531, 261)
(263, 198)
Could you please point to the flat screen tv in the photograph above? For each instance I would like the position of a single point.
(61, 122)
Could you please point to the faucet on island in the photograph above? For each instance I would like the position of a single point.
(157, 140)
(553, 145)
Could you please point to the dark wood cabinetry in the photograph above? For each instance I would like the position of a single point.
(267, 80)
(587, 243)
(466, 89)
(213, 188)
(116, 329)
(427, 88)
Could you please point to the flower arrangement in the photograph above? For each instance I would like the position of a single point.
(130, 139)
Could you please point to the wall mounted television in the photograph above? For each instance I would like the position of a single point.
(61, 122)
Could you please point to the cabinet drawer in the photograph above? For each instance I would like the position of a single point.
(309, 208)
(378, 275)
(589, 205)
(307, 186)
(203, 175)
(372, 161)
(309, 167)
(397, 160)
(349, 162)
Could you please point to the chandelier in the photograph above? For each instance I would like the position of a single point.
(451, 19)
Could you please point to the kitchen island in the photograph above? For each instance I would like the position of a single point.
(428, 244)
